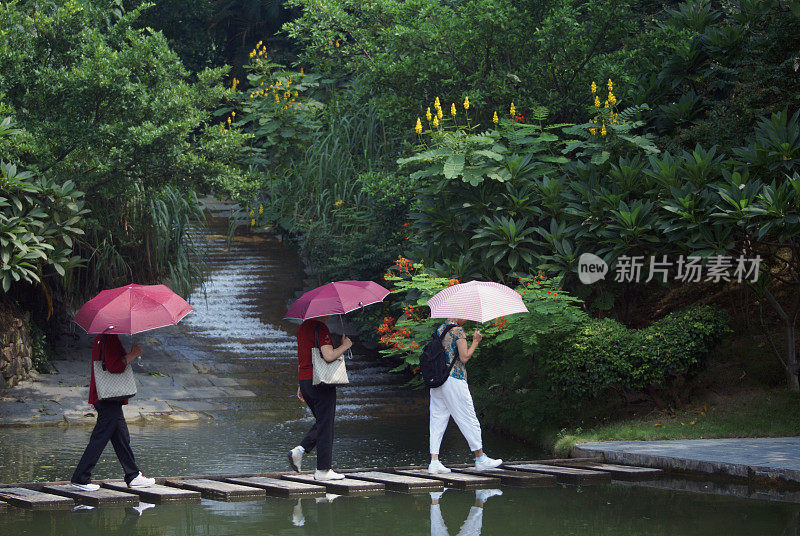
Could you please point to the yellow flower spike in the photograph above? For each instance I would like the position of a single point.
(261, 209)
(428, 115)
(495, 119)
(606, 104)
(439, 113)
(436, 103)
(512, 110)
(610, 85)
(418, 126)
(229, 120)
(251, 213)
(594, 88)
(604, 131)
(453, 109)
(596, 101)
(296, 94)
(436, 121)
(233, 114)
(253, 222)
(466, 103)
(337, 43)
(593, 131)
(301, 71)
(277, 99)
(259, 44)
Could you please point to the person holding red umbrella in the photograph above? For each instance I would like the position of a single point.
(111, 423)
(314, 309)
(125, 310)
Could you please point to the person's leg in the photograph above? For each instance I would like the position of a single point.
(438, 528)
(103, 430)
(459, 402)
(309, 393)
(121, 441)
(474, 523)
(326, 411)
(439, 418)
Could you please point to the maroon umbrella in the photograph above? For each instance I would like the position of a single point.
(132, 309)
(336, 298)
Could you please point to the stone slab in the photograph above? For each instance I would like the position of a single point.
(398, 482)
(454, 480)
(277, 487)
(26, 498)
(618, 472)
(564, 475)
(520, 479)
(214, 489)
(774, 459)
(346, 486)
(157, 494)
(100, 497)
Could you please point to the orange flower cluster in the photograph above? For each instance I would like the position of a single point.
(386, 326)
(500, 323)
(451, 282)
(412, 312)
(403, 264)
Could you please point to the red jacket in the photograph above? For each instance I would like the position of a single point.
(305, 342)
(114, 357)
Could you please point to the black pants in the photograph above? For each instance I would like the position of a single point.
(110, 425)
(321, 399)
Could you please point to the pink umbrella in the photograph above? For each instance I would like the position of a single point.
(132, 309)
(336, 298)
(480, 301)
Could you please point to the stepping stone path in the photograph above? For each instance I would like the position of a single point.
(346, 486)
(520, 479)
(214, 489)
(398, 482)
(454, 480)
(93, 498)
(27, 498)
(277, 487)
(564, 475)
(156, 494)
(618, 472)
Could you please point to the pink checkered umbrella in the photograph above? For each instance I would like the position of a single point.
(336, 298)
(479, 301)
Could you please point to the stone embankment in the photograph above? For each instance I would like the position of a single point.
(16, 350)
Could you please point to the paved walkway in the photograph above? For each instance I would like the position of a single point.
(170, 388)
(775, 458)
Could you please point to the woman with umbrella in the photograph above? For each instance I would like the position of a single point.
(125, 310)
(478, 301)
(315, 308)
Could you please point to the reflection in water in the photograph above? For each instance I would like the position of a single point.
(472, 525)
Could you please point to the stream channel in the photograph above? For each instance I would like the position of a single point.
(236, 331)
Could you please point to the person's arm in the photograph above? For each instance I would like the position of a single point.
(330, 354)
(465, 352)
(115, 357)
(135, 352)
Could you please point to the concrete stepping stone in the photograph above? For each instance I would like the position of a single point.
(454, 480)
(277, 487)
(518, 479)
(564, 475)
(38, 500)
(346, 486)
(397, 482)
(619, 472)
(214, 489)
(100, 497)
(156, 494)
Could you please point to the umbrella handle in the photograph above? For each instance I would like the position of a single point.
(349, 351)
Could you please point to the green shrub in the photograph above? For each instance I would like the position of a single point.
(604, 355)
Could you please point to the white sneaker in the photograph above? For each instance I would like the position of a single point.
(484, 494)
(330, 474)
(487, 463)
(142, 481)
(86, 487)
(295, 457)
(436, 467)
(436, 495)
(142, 507)
(298, 519)
(328, 498)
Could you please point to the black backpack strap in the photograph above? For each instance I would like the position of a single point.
(447, 328)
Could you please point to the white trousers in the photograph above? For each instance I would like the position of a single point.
(453, 399)
(472, 525)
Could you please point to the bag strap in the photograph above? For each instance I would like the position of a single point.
(316, 336)
(102, 351)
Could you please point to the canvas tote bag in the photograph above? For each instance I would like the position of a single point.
(112, 386)
(334, 373)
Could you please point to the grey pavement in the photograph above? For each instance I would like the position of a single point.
(170, 388)
(775, 459)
